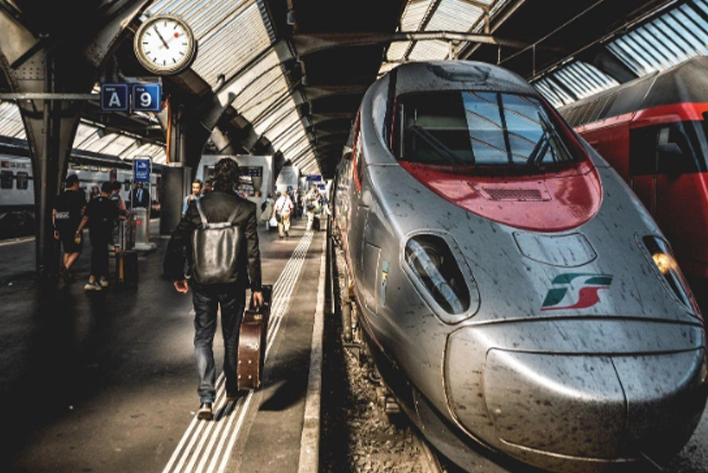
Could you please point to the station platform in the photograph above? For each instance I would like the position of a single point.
(105, 381)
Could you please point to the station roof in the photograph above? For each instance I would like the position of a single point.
(299, 68)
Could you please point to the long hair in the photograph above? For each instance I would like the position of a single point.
(225, 175)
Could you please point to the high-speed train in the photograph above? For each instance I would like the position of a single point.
(654, 132)
(517, 297)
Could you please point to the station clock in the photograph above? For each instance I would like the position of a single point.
(165, 44)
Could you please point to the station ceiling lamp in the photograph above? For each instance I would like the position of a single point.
(165, 45)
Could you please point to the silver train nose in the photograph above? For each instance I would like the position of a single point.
(548, 408)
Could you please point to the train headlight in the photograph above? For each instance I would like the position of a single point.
(437, 275)
(665, 262)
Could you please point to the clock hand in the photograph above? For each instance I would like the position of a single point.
(160, 36)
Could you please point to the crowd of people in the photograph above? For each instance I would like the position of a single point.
(293, 204)
(101, 213)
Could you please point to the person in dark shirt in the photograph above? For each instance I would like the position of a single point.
(230, 298)
(66, 215)
(140, 198)
(100, 216)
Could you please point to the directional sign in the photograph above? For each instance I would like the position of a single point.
(114, 98)
(141, 170)
(147, 97)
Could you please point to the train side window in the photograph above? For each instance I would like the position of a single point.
(644, 156)
(642, 151)
(6, 179)
(22, 180)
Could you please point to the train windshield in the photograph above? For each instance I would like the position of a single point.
(471, 128)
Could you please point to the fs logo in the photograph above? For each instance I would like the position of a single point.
(575, 291)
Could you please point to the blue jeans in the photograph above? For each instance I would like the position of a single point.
(206, 300)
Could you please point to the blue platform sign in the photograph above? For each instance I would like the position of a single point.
(147, 97)
(114, 98)
(141, 170)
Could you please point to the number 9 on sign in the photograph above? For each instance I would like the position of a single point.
(147, 97)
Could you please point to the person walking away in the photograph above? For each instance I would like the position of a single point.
(218, 206)
(312, 203)
(196, 194)
(283, 209)
(122, 213)
(100, 216)
(66, 214)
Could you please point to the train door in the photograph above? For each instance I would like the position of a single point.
(666, 168)
(643, 166)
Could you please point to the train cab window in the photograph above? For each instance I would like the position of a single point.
(126, 185)
(22, 180)
(6, 178)
(477, 128)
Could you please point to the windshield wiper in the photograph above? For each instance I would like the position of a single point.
(437, 145)
(539, 150)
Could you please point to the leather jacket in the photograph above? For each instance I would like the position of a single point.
(217, 206)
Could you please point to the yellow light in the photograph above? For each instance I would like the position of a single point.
(664, 262)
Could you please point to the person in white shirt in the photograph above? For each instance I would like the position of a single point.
(283, 209)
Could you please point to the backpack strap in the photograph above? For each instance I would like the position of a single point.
(206, 224)
(233, 214)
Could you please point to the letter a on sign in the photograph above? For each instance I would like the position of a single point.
(114, 97)
(115, 101)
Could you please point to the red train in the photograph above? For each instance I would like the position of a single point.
(653, 132)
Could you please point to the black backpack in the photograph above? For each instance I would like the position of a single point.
(215, 250)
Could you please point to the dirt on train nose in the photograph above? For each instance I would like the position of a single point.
(598, 409)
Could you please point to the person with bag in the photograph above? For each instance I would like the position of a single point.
(312, 205)
(283, 209)
(219, 238)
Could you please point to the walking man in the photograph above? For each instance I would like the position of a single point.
(66, 215)
(100, 216)
(196, 194)
(284, 208)
(218, 206)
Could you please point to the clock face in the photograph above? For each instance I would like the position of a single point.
(165, 45)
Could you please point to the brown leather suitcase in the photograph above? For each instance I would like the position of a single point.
(252, 343)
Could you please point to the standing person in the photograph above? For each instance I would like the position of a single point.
(122, 213)
(140, 197)
(196, 194)
(100, 216)
(66, 215)
(267, 211)
(218, 206)
(283, 209)
(95, 192)
(207, 187)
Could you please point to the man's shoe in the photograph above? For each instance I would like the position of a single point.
(232, 395)
(92, 286)
(205, 411)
